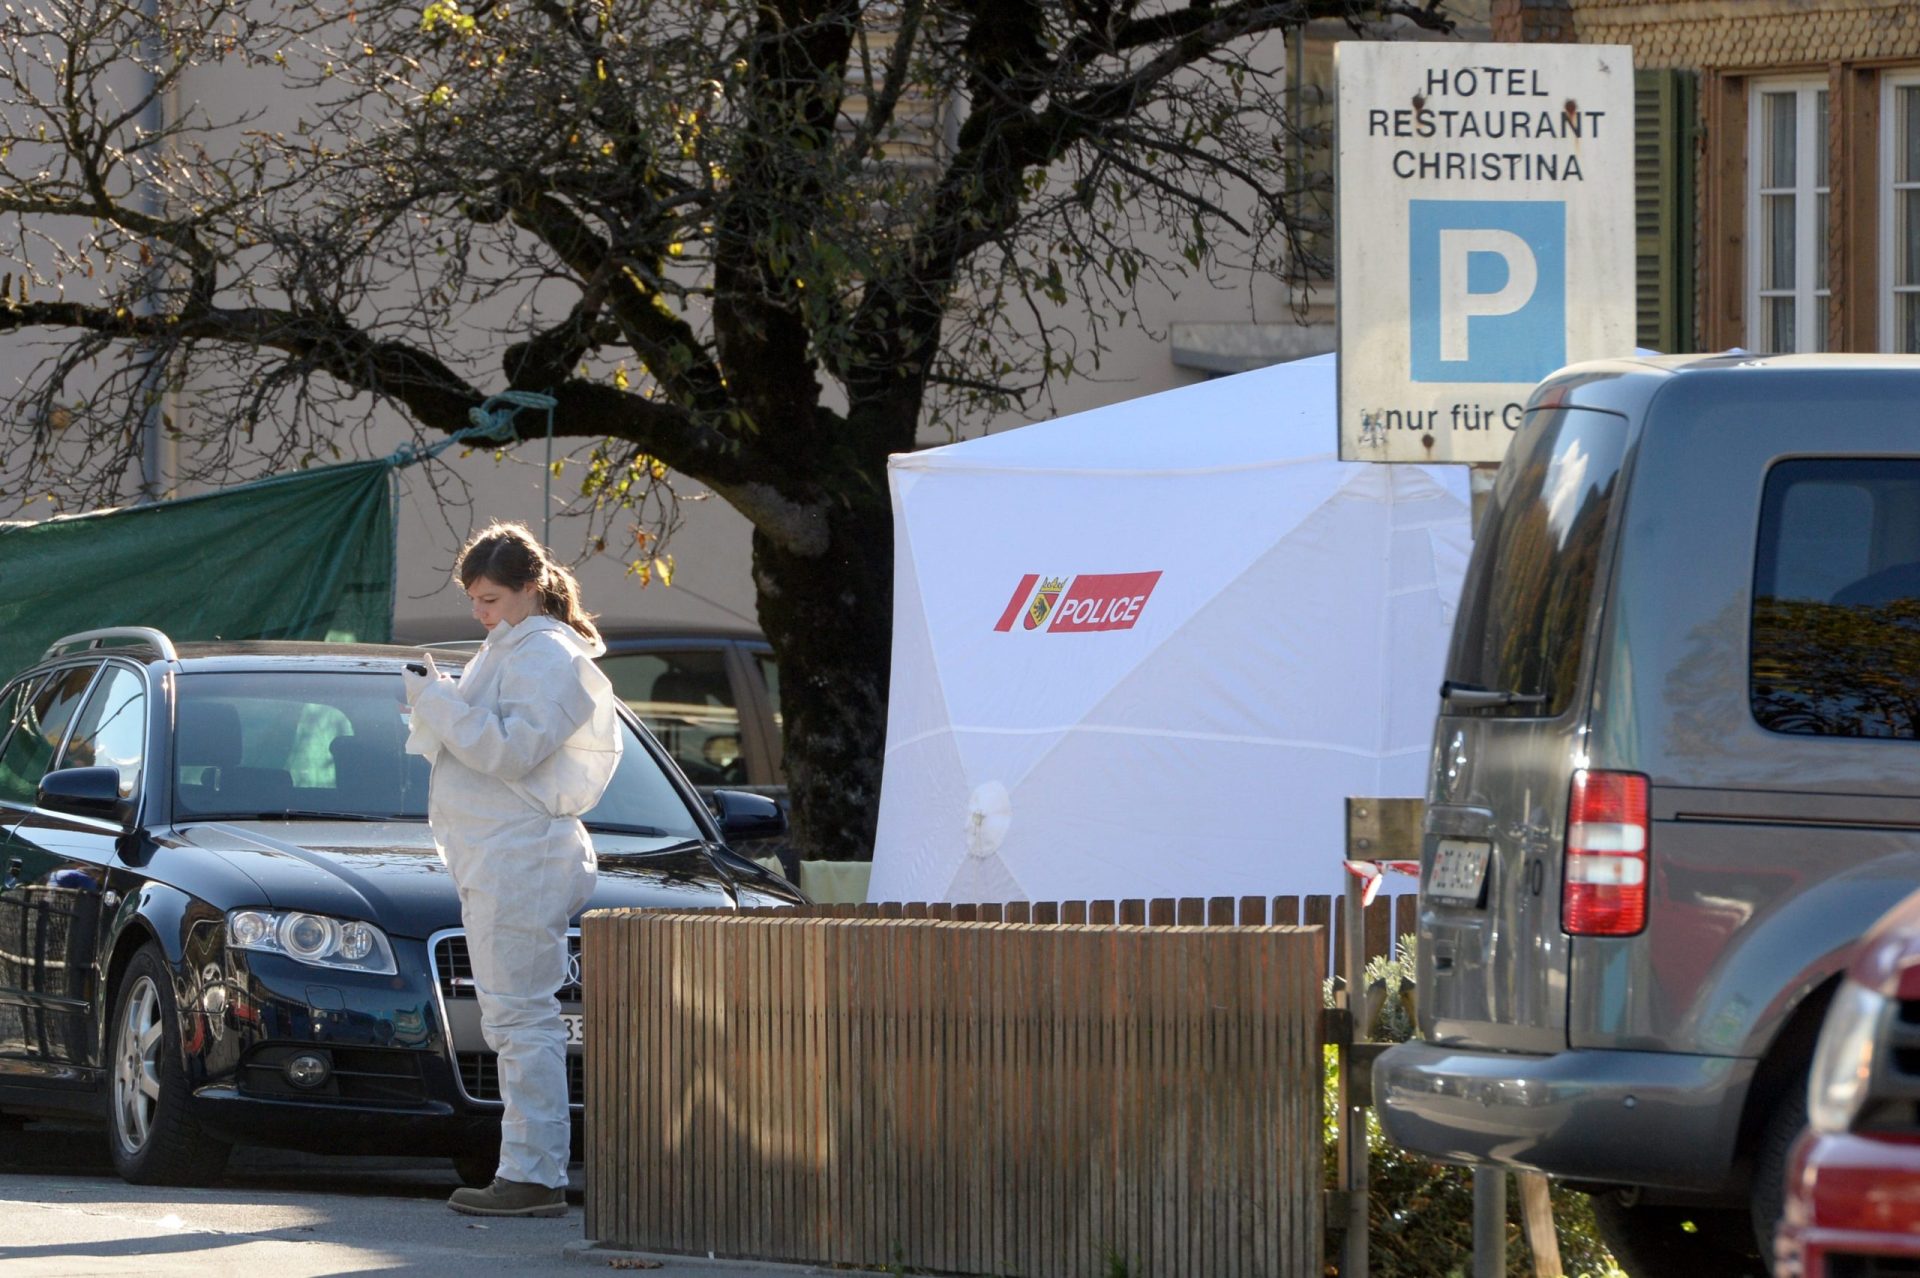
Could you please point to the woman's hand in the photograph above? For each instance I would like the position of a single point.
(417, 676)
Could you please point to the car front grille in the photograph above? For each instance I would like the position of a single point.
(1893, 1099)
(480, 1075)
(1839, 1266)
(453, 967)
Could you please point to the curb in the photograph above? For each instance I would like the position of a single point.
(592, 1251)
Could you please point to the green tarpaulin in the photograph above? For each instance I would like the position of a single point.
(301, 556)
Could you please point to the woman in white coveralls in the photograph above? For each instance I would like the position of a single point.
(522, 745)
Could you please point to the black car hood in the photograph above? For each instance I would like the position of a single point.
(389, 873)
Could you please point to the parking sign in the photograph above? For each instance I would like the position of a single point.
(1485, 236)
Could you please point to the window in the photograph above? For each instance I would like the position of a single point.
(685, 697)
(770, 677)
(1529, 587)
(39, 733)
(1900, 212)
(1787, 217)
(112, 731)
(1836, 600)
(250, 746)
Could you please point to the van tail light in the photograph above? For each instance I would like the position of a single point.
(1604, 892)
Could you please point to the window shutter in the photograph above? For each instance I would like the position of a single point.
(1665, 132)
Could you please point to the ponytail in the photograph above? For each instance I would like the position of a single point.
(560, 599)
(508, 555)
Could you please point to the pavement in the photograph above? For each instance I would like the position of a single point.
(288, 1216)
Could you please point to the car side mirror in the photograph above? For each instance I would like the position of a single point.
(88, 792)
(748, 816)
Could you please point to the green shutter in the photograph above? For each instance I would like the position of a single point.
(1665, 140)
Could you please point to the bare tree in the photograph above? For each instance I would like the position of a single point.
(759, 245)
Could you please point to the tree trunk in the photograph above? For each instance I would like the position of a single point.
(829, 618)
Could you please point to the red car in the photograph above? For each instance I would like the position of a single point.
(1853, 1188)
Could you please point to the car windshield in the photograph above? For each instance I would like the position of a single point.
(327, 744)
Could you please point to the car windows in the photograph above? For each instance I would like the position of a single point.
(1525, 603)
(770, 676)
(262, 742)
(259, 743)
(111, 731)
(685, 698)
(1836, 600)
(39, 731)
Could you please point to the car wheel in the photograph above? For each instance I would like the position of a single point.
(155, 1139)
(1770, 1159)
(1675, 1242)
(475, 1170)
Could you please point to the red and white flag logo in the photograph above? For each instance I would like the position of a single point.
(1094, 601)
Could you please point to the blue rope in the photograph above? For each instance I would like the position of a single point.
(492, 423)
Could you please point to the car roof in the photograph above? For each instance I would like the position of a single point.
(1748, 363)
(445, 630)
(263, 654)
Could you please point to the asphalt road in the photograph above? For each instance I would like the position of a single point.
(64, 1213)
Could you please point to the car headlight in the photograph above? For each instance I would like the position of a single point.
(1843, 1061)
(313, 938)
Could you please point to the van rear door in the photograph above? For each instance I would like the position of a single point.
(1492, 957)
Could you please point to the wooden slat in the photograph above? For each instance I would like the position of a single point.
(1161, 912)
(1378, 935)
(1220, 911)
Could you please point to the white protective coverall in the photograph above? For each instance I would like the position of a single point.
(521, 746)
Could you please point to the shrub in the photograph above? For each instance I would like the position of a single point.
(1420, 1214)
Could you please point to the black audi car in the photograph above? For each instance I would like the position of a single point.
(223, 921)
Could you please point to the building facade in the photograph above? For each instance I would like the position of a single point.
(1778, 184)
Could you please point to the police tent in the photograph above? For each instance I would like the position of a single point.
(1149, 650)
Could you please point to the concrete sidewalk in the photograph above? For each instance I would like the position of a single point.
(63, 1227)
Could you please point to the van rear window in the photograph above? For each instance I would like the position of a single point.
(1529, 587)
(1836, 600)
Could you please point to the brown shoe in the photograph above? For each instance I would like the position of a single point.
(509, 1198)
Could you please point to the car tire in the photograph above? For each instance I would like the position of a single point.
(476, 1171)
(1770, 1159)
(153, 1136)
(1675, 1242)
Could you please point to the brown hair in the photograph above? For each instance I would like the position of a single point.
(508, 555)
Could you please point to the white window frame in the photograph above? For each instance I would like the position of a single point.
(1809, 302)
(1891, 83)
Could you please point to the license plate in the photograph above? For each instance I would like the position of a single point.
(576, 1029)
(1459, 870)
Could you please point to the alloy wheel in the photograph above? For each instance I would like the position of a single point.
(136, 1066)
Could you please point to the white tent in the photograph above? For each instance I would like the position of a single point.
(1149, 650)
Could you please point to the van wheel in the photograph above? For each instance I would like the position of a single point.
(155, 1140)
(1675, 1242)
(1770, 1158)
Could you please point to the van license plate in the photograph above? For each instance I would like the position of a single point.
(1459, 869)
(576, 1029)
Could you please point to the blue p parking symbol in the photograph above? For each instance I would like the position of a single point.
(1488, 289)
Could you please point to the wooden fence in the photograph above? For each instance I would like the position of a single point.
(1037, 1095)
(1391, 916)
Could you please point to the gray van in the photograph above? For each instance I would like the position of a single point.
(1676, 775)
